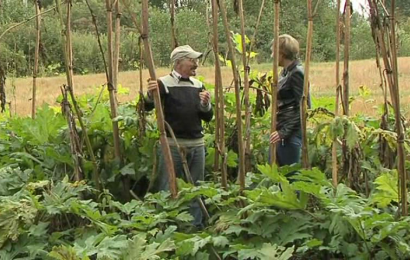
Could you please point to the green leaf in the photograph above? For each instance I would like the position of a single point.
(314, 243)
(162, 236)
(65, 253)
(272, 172)
(220, 241)
(252, 54)
(364, 91)
(185, 248)
(232, 159)
(352, 135)
(111, 247)
(285, 200)
(138, 249)
(192, 245)
(274, 252)
(184, 217)
(39, 230)
(135, 247)
(153, 250)
(128, 169)
(245, 254)
(386, 189)
(201, 256)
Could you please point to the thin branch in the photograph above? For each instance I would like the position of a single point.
(94, 20)
(256, 30)
(316, 8)
(27, 20)
(133, 16)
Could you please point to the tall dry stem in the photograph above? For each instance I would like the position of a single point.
(346, 58)
(241, 175)
(220, 149)
(401, 167)
(3, 90)
(247, 104)
(113, 63)
(141, 102)
(75, 144)
(96, 174)
(173, 31)
(157, 101)
(338, 87)
(388, 51)
(275, 77)
(36, 58)
(304, 101)
(111, 86)
(67, 47)
(117, 44)
(347, 157)
(67, 43)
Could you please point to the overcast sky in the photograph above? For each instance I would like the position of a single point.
(357, 4)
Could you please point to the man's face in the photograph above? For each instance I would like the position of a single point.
(187, 67)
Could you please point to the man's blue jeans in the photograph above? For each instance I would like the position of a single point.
(195, 157)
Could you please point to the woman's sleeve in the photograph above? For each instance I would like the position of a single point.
(293, 122)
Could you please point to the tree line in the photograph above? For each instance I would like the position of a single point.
(18, 45)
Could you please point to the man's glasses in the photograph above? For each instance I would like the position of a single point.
(196, 61)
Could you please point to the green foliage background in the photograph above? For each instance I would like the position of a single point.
(17, 47)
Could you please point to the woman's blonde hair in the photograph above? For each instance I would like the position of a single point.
(288, 46)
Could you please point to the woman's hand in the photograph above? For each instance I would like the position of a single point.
(274, 137)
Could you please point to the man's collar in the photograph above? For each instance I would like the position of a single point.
(178, 76)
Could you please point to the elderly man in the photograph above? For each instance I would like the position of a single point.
(185, 104)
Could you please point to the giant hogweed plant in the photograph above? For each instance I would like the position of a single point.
(43, 144)
(274, 219)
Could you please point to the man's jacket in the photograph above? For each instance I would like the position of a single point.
(181, 105)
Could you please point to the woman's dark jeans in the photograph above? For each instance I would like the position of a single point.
(288, 152)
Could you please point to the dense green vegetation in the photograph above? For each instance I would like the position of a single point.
(46, 215)
(17, 47)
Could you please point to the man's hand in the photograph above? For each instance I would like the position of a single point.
(152, 85)
(274, 137)
(205, 97)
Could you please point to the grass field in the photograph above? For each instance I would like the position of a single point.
(363, 72)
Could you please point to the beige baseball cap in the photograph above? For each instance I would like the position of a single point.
(184, 51)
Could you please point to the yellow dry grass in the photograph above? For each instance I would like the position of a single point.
(363, 72)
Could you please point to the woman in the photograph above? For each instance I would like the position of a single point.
(288, 136)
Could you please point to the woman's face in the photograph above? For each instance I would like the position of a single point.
(280, 56)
